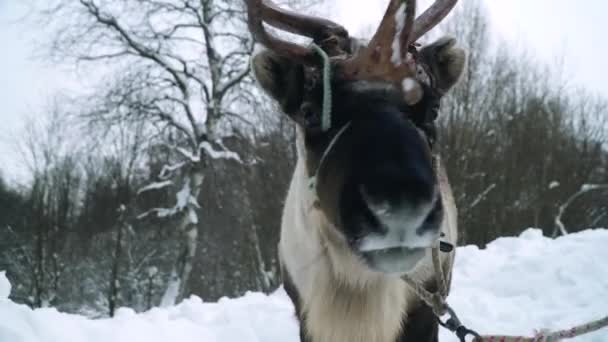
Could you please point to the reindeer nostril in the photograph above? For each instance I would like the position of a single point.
(311, 118)
(432, 223)
(388, 187)
(380, 207)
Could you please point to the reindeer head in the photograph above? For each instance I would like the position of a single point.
(376, 180)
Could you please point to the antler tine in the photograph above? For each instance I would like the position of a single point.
(399, 16)
(255, 13)
(309, 26)
(431, 17)
(385, 57)
(260, 11)
(406, 31)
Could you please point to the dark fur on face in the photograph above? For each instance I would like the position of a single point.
(298, 89)
(384, 152)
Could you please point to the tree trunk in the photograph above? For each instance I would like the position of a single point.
(114, 284)
(177, 288)
(264, 280)
(39, 269)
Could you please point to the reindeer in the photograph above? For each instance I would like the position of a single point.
(380, 198)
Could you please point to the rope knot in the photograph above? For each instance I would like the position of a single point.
(544, 335)
(439, 305)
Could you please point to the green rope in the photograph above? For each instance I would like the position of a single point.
(326, 109)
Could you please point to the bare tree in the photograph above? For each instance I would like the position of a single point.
(182, 67)
(560, 227)
(126, 144)
(184, 58)
(51, 200)
(511, 128)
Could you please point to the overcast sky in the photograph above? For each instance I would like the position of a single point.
(552, 30)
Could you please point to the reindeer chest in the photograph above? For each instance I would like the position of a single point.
(382, 313)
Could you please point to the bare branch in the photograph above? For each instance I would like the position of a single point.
(560, 227)
(146, 53)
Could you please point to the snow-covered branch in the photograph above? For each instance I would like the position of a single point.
(155, 186)
(146, 53)
(160, 213)
(560, 228)
(215, 154)
(481, 196)
(192, 158)
(167, 170)
(185, 200)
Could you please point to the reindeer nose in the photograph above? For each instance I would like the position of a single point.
(398, 186)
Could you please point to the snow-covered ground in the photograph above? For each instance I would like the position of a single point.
(514, 286)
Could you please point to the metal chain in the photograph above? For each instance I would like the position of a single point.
(437, 302)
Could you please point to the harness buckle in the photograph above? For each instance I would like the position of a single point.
(445, 247)
(454, 325)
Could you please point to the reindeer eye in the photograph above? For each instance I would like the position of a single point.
(430, 132)
(433, 112)
(422, 75)
(310, 116)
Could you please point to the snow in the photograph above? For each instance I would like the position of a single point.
(214, 154)
(183, 198)
(518, 285)
(554, 184)
(409, 84)
(591, 187)
(152, 271)
(167, 170)
(155, 186)
(188, 155)
(514, 286)
(5, 286)
(399, 26)
(172, 291)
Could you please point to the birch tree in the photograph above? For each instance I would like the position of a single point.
(182, 67)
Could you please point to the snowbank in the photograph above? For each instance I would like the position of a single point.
(518, 285)
(5, 286)
(515, 285)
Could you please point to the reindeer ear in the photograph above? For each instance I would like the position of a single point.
(445, 62)
(281, 78)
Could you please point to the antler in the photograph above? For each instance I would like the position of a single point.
(385, 58)
(312, 27)
(431, 17)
